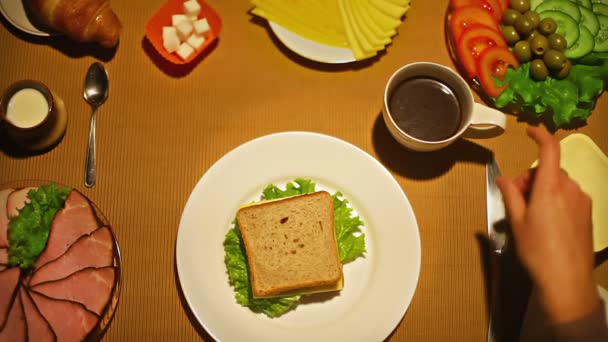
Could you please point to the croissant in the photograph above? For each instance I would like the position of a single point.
(81, 20)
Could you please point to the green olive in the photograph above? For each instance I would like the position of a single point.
(547, 26)
(520, 5)
(522, 51)
(510, 34)
(509, 17)
(539, 45)
(563, 73)
(523, 26)
(533, 17)
(538, 70)
(533, 34)
(554, 60)
(557, 42)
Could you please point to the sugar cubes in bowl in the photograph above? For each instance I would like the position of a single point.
(182, 29)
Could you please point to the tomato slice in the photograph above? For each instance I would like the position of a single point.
(504, 4)
(492, 6)
(474, 41)
(464, 17)
(493, 63)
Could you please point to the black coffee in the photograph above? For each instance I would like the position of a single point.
(425, 108)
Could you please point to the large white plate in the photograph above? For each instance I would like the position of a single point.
(14, 11)
(310, 49)
(378, 288)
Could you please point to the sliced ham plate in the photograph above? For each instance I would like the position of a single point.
(4, 216)
(73, 221)
(9, 279)
(38, 329)
(95, 250)
(15, 328)
(70, 321)
(91, 287)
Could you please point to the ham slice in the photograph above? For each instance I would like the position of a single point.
(70, 321)
(91, 287)
(95, 250)
(9, 279)
(4, 216)
(4, 256)
(16, 200)
(38, 329)
(73, 221)
(15, 328)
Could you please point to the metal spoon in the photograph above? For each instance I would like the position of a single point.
(96, 86)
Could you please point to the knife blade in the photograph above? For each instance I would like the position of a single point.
(497, 241)
(496, 209)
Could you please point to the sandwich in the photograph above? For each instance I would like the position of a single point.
(291, 245)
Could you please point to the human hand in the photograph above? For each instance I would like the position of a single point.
(551, 223)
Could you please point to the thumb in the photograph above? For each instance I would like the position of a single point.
(514, 199)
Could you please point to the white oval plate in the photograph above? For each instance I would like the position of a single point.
(15, 13)
(378, 288)
(311, 49)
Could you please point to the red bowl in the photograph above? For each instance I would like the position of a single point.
(154, 28)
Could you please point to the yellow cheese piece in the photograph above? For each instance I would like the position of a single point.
(350, 35)
(327, 288)
(386, 23)
(316, 20)
(390, 9)
(366, 45)
(374, 38)
(586, 164)
(373, 26)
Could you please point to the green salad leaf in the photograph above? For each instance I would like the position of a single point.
(566, 100)
(29, 231)
(350, 239)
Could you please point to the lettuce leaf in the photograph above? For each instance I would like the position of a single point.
(351, 245)
(29, 231)
(566, 100)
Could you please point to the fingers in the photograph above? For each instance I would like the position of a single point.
(514, 199)
(548, 153)
(525, 180)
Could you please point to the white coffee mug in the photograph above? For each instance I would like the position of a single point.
(475, 116)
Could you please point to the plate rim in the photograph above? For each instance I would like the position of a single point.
(285, 36)
(19, 26)
(414, 274)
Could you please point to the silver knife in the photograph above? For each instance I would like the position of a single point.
(498, 238)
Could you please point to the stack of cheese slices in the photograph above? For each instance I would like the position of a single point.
(364, 26)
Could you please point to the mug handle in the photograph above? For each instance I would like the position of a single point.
(486, 122)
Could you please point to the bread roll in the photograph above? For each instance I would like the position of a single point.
(81, 20)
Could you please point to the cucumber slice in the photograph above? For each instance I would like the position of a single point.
(563, 6)
(583, 46)
(534, 4)
(601, 38)
(584, 3)
(605, 2)
(566, 26)
(589, 20)
(600, 9)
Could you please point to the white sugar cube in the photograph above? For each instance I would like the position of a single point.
(177, 18)
(170, 41)
(185, 50)
(201, 26)
(196, 41)
(192, 18)
(169, 31)
(184, 29)
(191, 7)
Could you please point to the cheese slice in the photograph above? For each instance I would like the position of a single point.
(586, 164)
(371, 32)
(319, 289)
(386, 23)
(390, 9)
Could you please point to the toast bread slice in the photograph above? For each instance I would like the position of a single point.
(290, 244)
